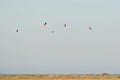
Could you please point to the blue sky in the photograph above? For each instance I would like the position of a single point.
(75, 49)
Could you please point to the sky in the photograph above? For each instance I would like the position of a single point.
(71, 50)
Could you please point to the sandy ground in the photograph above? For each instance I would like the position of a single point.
(59, 77)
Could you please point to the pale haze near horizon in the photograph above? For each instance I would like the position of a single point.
(74, 50)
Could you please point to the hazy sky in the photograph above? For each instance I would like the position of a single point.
(75, 49)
